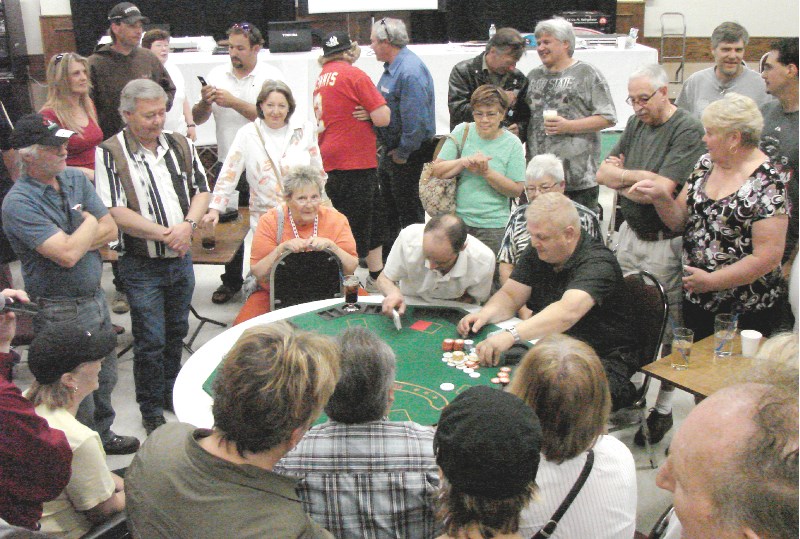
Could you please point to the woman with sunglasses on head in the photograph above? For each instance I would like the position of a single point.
(69, 105)
(490, 167)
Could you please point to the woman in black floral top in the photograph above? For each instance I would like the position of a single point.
(734, 213)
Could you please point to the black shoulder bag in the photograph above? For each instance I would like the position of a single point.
(550, 527)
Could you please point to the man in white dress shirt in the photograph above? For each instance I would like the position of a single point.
(438, 260)
(231, 95)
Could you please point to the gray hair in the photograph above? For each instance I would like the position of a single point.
(368, 373)
(555, 208)
(559, 28)
(300, 177)
(143, 89)
(735, 113)
(545, 164)
(391, 30)
(652, 72)
(32, 151)
(729, 32)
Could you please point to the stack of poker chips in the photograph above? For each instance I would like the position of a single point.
(461, 355)
(503, 377)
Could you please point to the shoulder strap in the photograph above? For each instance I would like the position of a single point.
(463, 139)
(550, 527)
(450, 136)
(264, 145)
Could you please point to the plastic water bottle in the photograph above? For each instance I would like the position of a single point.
(492, 30)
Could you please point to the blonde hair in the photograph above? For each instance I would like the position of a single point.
(562, 379)
(275, 379)
(781, 347)
(350, 55)
(555, 208)
(735, 113)
(55, 394)
(59, 90)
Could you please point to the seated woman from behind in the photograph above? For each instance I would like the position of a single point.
(562, 379)
(65, 359)
(307, 226)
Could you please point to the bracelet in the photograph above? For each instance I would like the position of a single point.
(191, 125)
(623, 177)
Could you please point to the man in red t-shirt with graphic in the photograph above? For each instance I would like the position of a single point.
(347, 105)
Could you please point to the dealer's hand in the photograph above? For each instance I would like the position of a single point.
(393, 301)
(490, 349)
(472, 322)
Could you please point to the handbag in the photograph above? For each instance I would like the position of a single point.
(250, 284)
(551, 525)
(438, 195)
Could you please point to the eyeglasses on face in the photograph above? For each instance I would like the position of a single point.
(543, 188)
(641, 101)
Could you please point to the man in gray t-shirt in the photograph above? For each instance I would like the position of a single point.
(661, 143)
(728, 74)
(779, 138)
(581, 99)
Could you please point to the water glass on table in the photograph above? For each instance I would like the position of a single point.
(208, 236)
(682, 340)
(724, 333)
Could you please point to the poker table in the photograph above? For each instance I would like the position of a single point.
(418, 345)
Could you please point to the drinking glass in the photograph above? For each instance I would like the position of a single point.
(682, 339)
(351, 285)
(724, 333)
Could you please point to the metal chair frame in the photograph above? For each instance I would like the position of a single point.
(622, 418)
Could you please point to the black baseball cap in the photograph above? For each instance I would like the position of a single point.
(126, 12)
(36, 129)
(487, 443)
(336, 42)
(60, 347)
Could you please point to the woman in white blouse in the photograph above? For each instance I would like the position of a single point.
(562, 379)
(266, 149)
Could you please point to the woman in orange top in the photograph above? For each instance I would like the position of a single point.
(307, 226)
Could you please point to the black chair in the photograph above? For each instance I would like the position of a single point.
(302, 277)
(115, 527)
(661, 525)
(651, 310)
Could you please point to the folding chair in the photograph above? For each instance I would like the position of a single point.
(302, 277)
(649, 300)
(115, 527)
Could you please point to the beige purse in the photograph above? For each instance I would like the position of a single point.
(438, 195)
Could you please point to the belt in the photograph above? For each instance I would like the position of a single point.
(656, 236)
(42, 301)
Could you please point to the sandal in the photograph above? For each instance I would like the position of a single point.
(223, 294)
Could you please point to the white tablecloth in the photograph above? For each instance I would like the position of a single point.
(301, 70)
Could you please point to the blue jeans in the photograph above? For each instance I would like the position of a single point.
(159, 292)
(95, 411)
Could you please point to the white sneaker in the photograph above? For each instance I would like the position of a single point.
(120, 304)
(371, 286)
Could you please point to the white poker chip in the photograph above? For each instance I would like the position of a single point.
(474, 375)
(447, 386)
(461, 366)
(469, 370)
(451, 363)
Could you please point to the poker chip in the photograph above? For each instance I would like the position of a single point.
(447, 386)
(469, 370)
(460, 366)
(447, 345)
(474, 375)
(495, 380)
(505, 369)
(458, 344)
(451, 363)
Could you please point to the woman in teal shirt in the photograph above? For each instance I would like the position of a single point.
(491, 168)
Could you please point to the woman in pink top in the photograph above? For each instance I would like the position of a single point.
(69, 105)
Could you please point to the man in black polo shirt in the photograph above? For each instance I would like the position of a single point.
(573, 285)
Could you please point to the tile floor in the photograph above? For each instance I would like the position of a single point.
(652, 500)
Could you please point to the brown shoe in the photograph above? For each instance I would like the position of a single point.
(223, 294)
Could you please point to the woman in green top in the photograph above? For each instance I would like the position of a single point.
(491, 167)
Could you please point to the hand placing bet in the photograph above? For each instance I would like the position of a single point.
(489, 350)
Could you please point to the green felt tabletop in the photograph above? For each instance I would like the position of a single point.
(418, 346)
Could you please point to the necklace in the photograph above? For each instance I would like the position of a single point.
(294, 227)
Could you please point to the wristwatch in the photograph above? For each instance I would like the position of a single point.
(191, 222)
(514, 333)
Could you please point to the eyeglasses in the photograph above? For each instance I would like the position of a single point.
(641, 101)
(245, 27)
(313, 200)
(386, 29)
(488, 115)
(544, 188)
